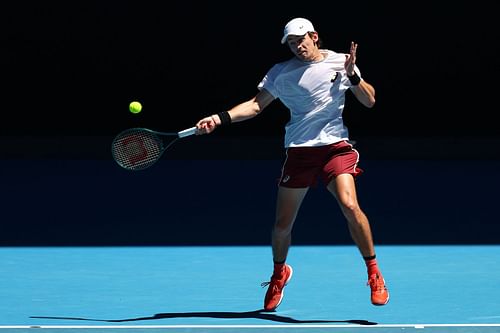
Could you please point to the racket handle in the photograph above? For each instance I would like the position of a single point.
(187, 132)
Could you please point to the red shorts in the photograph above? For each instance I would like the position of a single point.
(304, 166)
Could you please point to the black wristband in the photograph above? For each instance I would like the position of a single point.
(355, 79)
(225, 118)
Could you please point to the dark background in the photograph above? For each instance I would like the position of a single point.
(70, 68)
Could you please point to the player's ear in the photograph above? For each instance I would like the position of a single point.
(314, 36)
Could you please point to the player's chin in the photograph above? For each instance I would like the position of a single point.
(301, 55)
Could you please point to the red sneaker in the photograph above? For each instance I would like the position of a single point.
(274, 293)
(379, 292)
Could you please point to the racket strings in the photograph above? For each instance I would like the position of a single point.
(137, 149)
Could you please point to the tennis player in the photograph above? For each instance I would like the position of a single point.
(312, 85)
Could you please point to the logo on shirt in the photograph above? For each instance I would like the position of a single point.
(334, 77)
(285, 179)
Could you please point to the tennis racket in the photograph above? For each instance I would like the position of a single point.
(139, 148)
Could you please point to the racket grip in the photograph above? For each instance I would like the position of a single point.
(187, 132)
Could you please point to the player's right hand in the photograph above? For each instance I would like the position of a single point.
(206, 125)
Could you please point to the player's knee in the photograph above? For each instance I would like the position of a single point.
(349, 206)
(351, 210)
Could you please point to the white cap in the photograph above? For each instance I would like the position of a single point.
(298, 26)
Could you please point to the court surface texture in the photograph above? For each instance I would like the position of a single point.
(217, 289)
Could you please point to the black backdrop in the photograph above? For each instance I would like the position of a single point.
(72, 67)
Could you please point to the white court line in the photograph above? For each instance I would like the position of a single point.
(242, 326)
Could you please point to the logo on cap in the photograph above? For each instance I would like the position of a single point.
(298, 26)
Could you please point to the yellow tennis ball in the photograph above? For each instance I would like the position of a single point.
(135, 107)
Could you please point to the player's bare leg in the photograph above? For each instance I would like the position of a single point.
(287, 206)
(344, 189)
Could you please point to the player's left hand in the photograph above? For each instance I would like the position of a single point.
(350, 59)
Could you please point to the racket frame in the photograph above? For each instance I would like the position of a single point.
(120, 137)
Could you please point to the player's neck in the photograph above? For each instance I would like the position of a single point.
(317, 56)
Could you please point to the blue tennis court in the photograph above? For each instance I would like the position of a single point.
(217, 288)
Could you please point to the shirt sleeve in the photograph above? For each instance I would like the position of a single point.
(269, 79)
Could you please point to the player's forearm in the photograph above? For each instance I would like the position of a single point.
(365, 93)
(240, 112)
(244, 111)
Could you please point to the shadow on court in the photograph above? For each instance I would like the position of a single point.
(258, 314)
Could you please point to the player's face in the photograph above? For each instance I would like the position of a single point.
(304, 47)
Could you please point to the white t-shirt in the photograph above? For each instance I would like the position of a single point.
(314, 92)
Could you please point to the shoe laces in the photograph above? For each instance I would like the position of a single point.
(376, 282)
(274, 281)
(274, 289)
